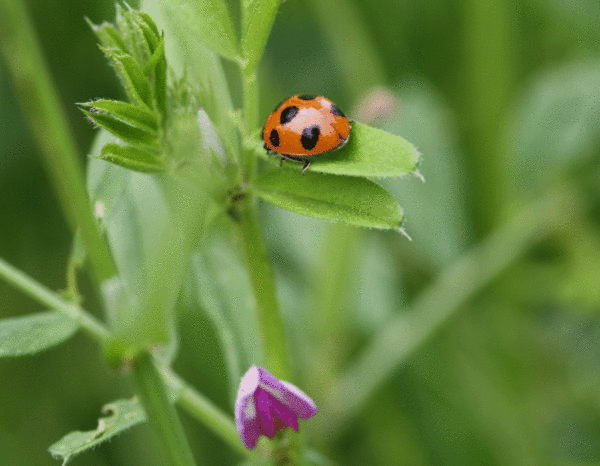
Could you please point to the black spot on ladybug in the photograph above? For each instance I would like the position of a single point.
(306, 97)
(274, 138)
(309, 137)
(337, 112)
(288, 114)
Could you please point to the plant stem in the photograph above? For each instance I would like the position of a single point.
(261, 278)
(48, 298)
(259, 265)
(453, 288)
(250, 101)
(201, 408)
(49, 126)
(489, 80)
(168, 432)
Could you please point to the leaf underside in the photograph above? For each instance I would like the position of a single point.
(33, 333)
(352, 200)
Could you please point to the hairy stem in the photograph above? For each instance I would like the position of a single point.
(168, 432)
(49, 298)
(262, 281)
(250, 100)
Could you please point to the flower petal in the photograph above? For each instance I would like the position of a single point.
(247, 423)
(249, 433)
(298, 401)
(265, 416)
(290, 395)
(246, 416)
(284, 413)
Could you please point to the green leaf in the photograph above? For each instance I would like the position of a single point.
(368, 152)
(127, 21)
(132, 77)
(158, 64)
(32, 333)
(257, 20)
(150, 35)
(158, 56)
(108, 36)
(131, 134)
(104, 181)
(151, 223)
(121, 415)
(132, 158)
(137, 116)
(207, 21)
(351, 200)
(149, 22)
(148, 252)
(160, 82)
(157, 61)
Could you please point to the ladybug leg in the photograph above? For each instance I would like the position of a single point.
(306, 164)
(295, 159)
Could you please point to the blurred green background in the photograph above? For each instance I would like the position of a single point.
(502, 99)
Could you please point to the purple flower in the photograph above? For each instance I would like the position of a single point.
(266, 405)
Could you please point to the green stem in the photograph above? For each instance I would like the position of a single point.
(250, 101)
(48, 298)
(261, 278)
(459, 283)
(490, 79)
(49, 125)
(168, 432)
(205, 412)
(259, 265)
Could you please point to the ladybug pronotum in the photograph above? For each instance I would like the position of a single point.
(304, 126)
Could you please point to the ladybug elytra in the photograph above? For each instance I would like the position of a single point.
(304, 126)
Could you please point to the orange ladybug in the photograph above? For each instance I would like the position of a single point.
(304, 126)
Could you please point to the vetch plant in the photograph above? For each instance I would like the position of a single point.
(171, 165)
(180, 212)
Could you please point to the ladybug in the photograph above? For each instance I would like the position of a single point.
(304, 126)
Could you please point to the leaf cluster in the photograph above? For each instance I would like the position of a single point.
(136, 50)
